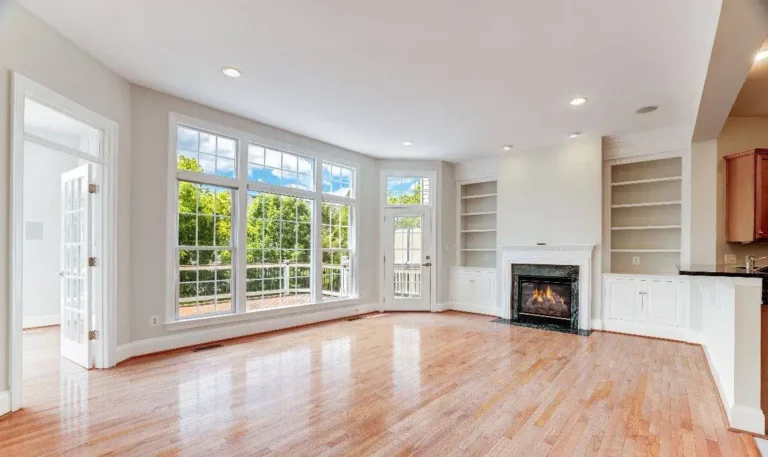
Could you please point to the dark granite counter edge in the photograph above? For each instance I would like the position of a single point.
(727, 274)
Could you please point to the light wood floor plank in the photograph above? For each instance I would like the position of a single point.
(395, 384)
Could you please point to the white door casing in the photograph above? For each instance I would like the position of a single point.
(76, 278)
(407, 259)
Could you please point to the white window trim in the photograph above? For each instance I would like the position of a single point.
(241, 186)
(433, 207)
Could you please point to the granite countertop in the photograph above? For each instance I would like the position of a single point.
(734, 271)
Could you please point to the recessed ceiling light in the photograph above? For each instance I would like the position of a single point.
(646, 109)
(506, 147)
(761, 55)
(578, 101)
(231, 72)
(574, 134)
(407, 143)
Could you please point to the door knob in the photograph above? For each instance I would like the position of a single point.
(428, 264)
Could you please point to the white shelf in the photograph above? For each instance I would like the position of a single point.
(637, 205)
(482, 213)
(647, 250)
(479, 250)
(648, 227)
(466, 197)
(479, 231)
(646, 181)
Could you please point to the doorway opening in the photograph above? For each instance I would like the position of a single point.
(62, 242)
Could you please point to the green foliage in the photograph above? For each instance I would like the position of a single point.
(412, 198)
(268, 239)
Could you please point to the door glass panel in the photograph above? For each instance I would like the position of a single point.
(407, 256)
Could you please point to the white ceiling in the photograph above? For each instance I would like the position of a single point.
(459, 78)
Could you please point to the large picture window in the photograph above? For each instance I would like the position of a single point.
(253, 230)
(279, 251)
(337, 257)
(205, 250)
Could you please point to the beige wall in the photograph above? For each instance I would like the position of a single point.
(703, 197)
(32, 48)
(738, 134)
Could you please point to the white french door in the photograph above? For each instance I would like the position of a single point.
(76, 278)
(407, 259)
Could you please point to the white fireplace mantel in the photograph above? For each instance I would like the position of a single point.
(579, 255)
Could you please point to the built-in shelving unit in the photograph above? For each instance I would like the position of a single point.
(646, 216)
(477, 224)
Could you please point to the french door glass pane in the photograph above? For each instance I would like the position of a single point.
(407, 256)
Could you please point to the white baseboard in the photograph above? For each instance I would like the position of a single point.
(747, 418)
(5, 402)
(631, 328)
(476, 309)
(440, 307)
(596, 324)
(205, 335)
(740, 417)
(40, 321)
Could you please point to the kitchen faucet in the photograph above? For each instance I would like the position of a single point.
(751, 262)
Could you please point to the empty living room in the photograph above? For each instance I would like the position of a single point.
(393, 228)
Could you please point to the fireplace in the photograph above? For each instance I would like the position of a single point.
(545, 296)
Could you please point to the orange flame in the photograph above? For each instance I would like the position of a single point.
(541, 296)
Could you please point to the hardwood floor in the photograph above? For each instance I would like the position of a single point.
(395, 384)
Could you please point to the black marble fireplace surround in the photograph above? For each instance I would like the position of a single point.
(560, 284)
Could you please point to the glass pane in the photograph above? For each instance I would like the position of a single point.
(204, 215)
(337, 180)
(279, 168)
(47, 123)
(205, 152)
(407, 190)
(407, 257)
(279, 241)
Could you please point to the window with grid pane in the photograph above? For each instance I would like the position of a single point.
(204, 250)
(279, 251)
(337, 256)
(279, 168)
(407, 190)
(204, 152)
(337, 180)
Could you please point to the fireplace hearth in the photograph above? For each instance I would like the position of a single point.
(545, 297)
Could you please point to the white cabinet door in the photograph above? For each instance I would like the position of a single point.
(461, 286)
(663, 304)
(623, 299)
(482, 286)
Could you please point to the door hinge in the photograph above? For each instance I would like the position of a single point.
(91, 261)
(92, 335)
(385, 259)
(92, 188)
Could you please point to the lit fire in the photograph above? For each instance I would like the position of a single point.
(540, 296)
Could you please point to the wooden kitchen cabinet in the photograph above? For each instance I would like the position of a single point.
(746, 196)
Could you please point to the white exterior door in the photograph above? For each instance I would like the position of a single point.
(76, 277)
(407, 259)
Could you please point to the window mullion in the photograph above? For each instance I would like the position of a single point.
(239, 224)
(317, 240)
